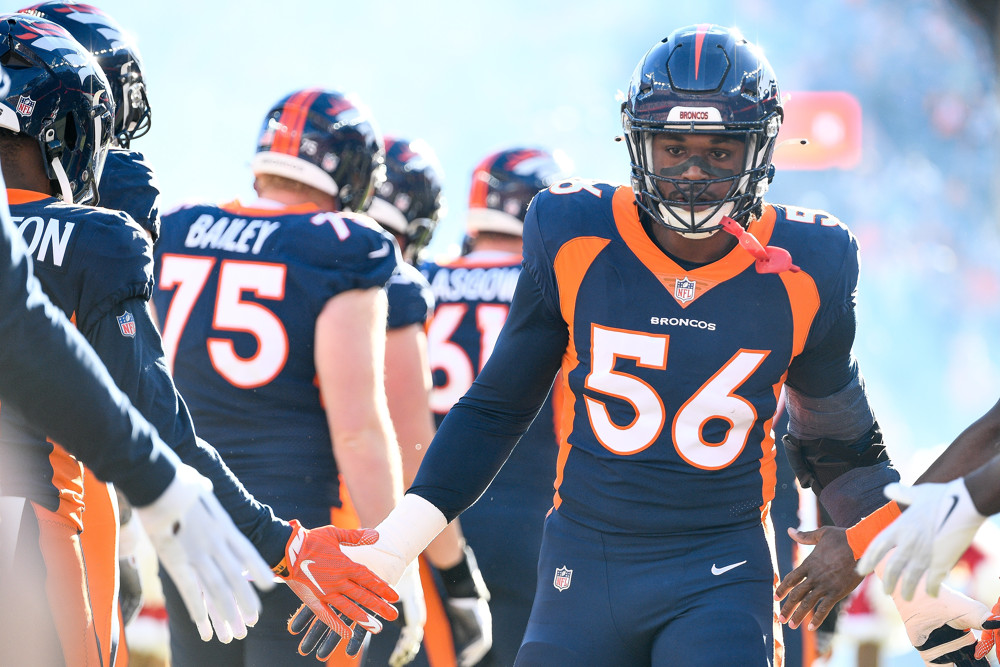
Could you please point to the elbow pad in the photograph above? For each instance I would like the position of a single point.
(818, 462)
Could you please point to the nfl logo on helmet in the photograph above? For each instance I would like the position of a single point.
(684, 289)
(563, 578)
(25, 105)
(127, 324)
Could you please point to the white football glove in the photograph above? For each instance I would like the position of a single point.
(414, 616)
(468, 609)
(206, 555)
(939, 627)
(929, 536)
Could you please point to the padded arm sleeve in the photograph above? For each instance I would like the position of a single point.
(481, 430)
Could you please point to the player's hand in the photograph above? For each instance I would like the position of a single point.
(929, 537)
(206, 555)
(414, 616)
(468, 609)
(327, 581)
(826, 576)
(940, 627)
(991, 632)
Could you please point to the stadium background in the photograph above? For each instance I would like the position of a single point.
(912, 168)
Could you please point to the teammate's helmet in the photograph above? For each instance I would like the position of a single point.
(59, 97)
(702, 79)
(409, 201)
(117, 55)
(326, 140)
(504, 184)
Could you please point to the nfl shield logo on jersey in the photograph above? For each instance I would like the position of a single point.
(127, 324)
(563, 578)
(684, 289)
(25, 105)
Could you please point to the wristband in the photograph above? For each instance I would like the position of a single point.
(861, 534)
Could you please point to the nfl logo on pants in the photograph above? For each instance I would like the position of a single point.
(127, 324)
(563, 578)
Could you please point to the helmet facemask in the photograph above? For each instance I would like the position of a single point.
(687, 206)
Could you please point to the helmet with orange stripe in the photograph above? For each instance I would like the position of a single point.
(116, 53)
(708, 80)
(58, 97)
(505, 183)
(326, 140)
(410, 200)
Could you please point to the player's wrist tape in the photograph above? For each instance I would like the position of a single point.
(861, 534)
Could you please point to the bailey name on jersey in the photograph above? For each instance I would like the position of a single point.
(232, 234)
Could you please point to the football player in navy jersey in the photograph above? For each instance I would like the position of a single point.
(95, 265)
(473, 295)
(72, 397)
(408, 203)
(127, 182)
(676, 310)
(274, 325)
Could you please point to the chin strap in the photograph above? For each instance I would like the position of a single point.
(771, 259)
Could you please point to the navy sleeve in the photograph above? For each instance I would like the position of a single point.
(70, 395)
(481, 430)
(128, 184)
(828, 366)
(138, 364)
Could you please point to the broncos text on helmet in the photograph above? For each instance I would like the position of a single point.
(410, 201)
(326, 140)
(702, 79)
(505, 183)
(116, 53)
(59, 97)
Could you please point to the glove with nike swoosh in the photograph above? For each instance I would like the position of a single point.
(330, 584)
(929, 536)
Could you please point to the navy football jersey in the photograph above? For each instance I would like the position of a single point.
(238, 292)
(128, 184)
(409, 296)
(672, 375)
(89, 261)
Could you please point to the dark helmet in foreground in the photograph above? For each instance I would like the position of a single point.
(58, 96)
(117, 55)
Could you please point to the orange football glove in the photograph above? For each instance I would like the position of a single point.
(991, 631)
(330, 583)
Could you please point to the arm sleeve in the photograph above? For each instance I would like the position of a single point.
(71, 395)
(481, 430)
(139, 365)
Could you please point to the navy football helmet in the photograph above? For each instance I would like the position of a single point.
(710, 80)
(326, 140)
(117, 55)
(409, 201)
(59, 97)
(505, 183)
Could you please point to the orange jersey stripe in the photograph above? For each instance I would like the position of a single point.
(571, 265)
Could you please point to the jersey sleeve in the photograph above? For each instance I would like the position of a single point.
(410, 298)
(480, 431)
(134, 356)
(128, 184)
(119, 266)
(351, 255)
(538, 261)
(71, 396)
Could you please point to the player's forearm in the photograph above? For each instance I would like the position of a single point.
(370, 464)
(983, 487)
(974, 447)
(446, 551)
